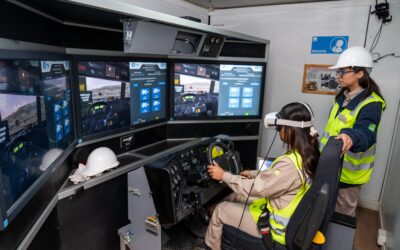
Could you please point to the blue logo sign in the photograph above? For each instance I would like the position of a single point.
(329, 44)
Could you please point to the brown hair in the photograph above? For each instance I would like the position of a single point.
(299, 139)
(365, 82)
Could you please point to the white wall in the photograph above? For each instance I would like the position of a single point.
(171, 7)
(290, 29)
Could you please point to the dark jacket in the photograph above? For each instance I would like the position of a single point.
(361, 135)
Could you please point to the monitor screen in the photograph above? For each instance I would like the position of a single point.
(196, 90)
(35, 121)
(104, 96)
(264, 164)
(240, 90)
(116, 95)
(217, 90)
(148, 91)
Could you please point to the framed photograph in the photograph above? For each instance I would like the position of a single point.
(319, 79)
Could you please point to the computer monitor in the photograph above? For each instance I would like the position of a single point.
(104, 96)
(240, 90)
(148, 91)
(35, 125)
(196, 90)
(217, 91)
(264, 164)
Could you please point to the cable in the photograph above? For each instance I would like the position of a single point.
(381, 57)
(366, 32)
(252, 185)
(375, 53)
(382, 12)
(376, 38)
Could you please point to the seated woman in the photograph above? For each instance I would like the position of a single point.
(280, 188)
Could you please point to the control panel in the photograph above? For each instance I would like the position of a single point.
(180, 183)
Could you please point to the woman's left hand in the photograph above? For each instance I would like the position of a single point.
(215, 171)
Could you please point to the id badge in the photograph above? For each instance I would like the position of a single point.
(342, 118)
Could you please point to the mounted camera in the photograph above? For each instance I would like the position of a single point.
(382, 12)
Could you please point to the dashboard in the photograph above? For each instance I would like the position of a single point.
(180, 182)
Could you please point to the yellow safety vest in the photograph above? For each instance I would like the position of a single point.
(279, 218)
(357, 167)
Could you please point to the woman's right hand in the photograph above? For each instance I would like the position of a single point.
(347, 142)
(246, 173)
(215, 171)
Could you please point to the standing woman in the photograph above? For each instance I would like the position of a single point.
(354, 118)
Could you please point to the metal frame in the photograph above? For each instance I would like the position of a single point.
(213, 121)
(130, 10)
(104, 138)
(40, 221)
(135, 11)
(9, 44)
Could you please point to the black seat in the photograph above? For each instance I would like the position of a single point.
(312, 214)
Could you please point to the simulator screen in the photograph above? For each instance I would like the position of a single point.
(148, 91)
(217, 90)
(196, 90)
(104, 96)
(240, 89)
(35, 121)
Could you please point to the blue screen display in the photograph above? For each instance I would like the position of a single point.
(217, 90)
(148, 91)
(240, 90)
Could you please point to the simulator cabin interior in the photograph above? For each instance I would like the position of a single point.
(146, 125)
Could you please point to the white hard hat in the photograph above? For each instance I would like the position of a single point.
(49, 157)
(100, 160)
(354, 57)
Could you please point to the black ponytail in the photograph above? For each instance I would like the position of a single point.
(368, 83)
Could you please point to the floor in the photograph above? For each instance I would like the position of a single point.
(367, 229)
(185, 236)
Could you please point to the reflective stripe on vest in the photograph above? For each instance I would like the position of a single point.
(279, 219)
(357, 167)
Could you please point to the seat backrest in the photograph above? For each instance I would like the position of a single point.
(317, 206)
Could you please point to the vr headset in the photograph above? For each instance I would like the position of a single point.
(273, 120)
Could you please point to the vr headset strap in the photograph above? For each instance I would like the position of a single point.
(298, 124)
